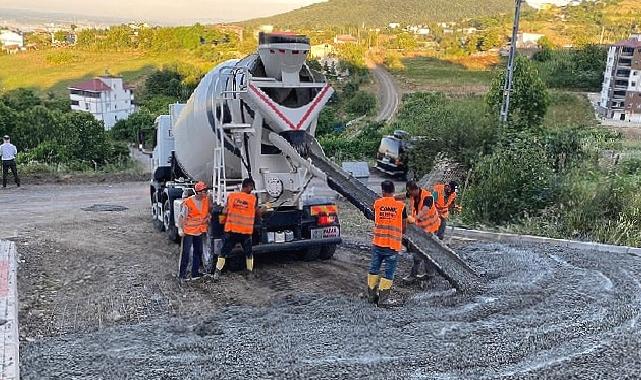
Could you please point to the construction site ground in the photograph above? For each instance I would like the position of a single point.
(99, 300)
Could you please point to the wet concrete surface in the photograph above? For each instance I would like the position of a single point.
(99, 301)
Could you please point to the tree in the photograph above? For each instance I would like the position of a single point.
(529, 99)
(60, 36)
(489, 39)
(362, 103)
(21, 99)
(129, 129)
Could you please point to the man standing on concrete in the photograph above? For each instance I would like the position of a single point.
(193, 222)
(389, 225)
(424, 214)
(445, 195)
(9, 152)
(240, 213)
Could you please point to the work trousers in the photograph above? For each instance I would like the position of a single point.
(231, 239)
(419, 259)
(441, 230)
(189, 241)
(383, 255)
(6, 165)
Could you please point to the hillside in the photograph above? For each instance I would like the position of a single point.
(337, 13)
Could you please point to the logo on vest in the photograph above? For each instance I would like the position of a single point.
(387, 212)
(241, 203)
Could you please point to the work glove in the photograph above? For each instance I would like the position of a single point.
(181, 233)
(267, 206)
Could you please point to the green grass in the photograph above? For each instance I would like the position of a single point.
(53, 70)
(569, 108)
(438, 75)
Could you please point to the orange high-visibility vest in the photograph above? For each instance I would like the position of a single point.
(196, 220)
(428, 219)
(443, 205)
(388, 223)
(423, 194)
(241, 212)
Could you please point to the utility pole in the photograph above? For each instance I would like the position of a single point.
(507, 89)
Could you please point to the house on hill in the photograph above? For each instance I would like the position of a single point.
(11, 41)
(345, 39)
(105, 97)
(322, 51)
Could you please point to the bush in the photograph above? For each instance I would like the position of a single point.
(362, 103)
(459, 128)
(580, 69)
(136, 125)
(362, 146)
(513, 181)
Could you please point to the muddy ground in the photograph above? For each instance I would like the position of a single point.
(99, 300)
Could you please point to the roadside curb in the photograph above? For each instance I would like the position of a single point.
(514, 238)
(10, 369)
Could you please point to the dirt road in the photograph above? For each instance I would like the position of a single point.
(99, 301)
(388, 96)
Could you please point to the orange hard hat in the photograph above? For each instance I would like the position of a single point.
(200, 186)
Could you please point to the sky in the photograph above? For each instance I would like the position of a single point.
(176, 11)
(163, 10)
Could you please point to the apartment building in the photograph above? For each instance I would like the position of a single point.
(621, 92)
(106, 98)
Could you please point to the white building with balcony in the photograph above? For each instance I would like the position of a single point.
(620, 97)
(106, 98)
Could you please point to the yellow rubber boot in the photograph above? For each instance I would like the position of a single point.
(384, 289)
(372, 284)
(220, 264)
(249, 264)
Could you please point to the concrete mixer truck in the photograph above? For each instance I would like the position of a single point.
(252, 117)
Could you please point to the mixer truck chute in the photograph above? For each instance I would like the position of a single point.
(250, 118)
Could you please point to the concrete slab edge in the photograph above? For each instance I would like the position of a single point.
(10, 350)
(516, 238)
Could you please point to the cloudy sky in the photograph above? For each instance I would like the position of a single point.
(175, 10)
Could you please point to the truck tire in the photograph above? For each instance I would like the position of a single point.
(236, 262)
(312, 254)
(168, 221)
(327, 252)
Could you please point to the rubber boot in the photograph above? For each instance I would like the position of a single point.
(220, 264)
(372, 285)
(384, 298)
(249, 268)
(413, 276)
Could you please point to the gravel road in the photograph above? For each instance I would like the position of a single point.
(388, 96)
(98, 301)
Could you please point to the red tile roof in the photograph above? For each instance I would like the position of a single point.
(631, 43)
(94, 85)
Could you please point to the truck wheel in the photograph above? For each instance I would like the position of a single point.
(312, 254)
(327, 252)
(168, 221)
(236, 262)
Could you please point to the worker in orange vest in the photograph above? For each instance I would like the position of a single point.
(193, 221)
(445, 195)
(424, 214)
(240, 214)
(389, 225)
